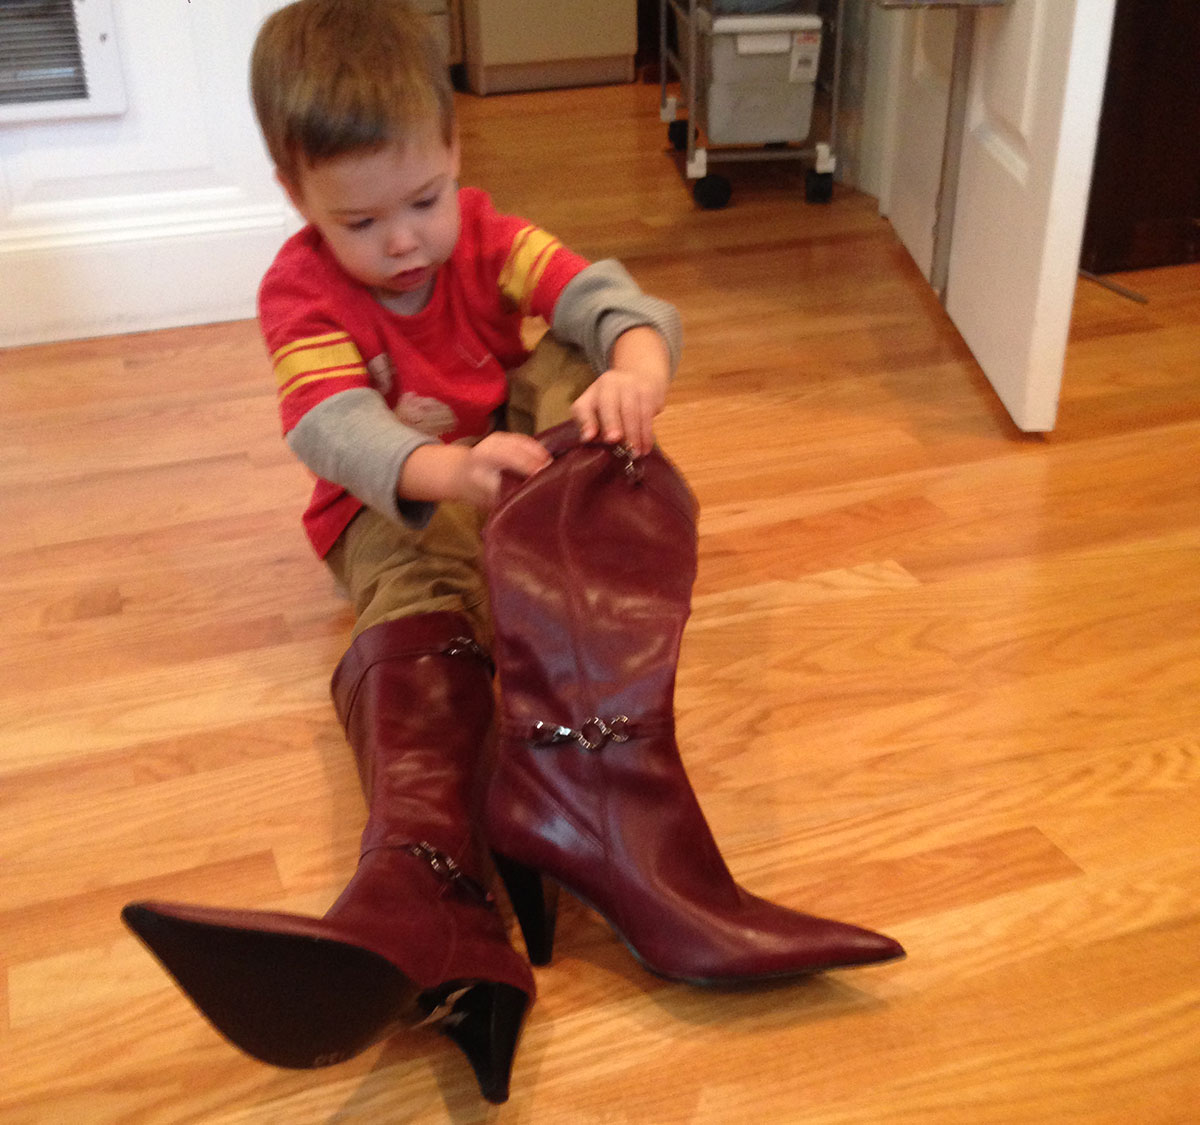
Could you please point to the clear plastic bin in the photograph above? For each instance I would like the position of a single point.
(760, 73)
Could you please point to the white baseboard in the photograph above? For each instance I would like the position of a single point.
(114, 276)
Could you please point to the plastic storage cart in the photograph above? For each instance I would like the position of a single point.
(748, 79)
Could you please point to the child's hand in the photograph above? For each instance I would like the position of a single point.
(620, 407)
(471, 473)
(500, 452)
(621, 404)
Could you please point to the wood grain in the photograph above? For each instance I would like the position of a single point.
(941, 679)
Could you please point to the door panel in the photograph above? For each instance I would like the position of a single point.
(1037, 76)
(1026, 171)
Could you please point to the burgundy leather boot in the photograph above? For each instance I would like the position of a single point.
(415, 937)
(591, 563)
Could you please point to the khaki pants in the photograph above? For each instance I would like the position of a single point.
(393, 571)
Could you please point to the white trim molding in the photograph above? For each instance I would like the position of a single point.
(171, 275)
(180, 222)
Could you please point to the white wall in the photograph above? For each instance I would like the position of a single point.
(866, 123)
(855, 59)
(878, 140)
(166, 215)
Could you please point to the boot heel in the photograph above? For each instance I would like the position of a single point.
(486, 1025)
(536, 910)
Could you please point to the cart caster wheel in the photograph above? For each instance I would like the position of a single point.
(818, 186)
(677, 134)
(712, 192)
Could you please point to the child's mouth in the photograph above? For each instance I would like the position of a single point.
(408, 280)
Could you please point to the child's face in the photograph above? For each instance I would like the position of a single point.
(390, 217)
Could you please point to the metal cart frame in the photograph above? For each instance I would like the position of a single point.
(709, 190)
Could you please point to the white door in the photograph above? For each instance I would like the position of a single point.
(1037, 81)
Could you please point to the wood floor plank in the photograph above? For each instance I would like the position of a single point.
(940, 679)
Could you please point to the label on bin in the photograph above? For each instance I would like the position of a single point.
(770, 43)
(806, 54)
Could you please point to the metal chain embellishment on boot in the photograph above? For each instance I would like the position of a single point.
(446, 869)
(593, 735)
(633, 469)
(442, 1010)
(460, 645)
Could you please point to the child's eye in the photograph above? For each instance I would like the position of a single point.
(359, 224)
(426, 203)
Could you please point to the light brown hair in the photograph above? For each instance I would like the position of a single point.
(330, 77)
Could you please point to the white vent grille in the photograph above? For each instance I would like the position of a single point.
(58, 58)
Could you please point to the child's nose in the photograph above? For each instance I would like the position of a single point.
(401, 240)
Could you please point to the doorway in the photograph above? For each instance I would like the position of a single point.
(1145, 203)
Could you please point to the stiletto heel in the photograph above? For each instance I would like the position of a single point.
(485, 1024)
(536, 910)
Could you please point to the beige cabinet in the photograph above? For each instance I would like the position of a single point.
(537, 44)
(446, 17)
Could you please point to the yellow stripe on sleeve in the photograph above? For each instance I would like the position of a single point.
(308, 342)
(304, 380)
(531, 253)
(513, 251)
(312, 355)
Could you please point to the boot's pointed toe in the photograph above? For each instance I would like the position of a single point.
(866, 947)
(816, 944)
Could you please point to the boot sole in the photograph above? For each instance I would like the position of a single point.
(291, 1001)
(302, 1002)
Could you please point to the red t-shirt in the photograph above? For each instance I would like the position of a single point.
(442, 370)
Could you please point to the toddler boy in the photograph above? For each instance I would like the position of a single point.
(394, 318)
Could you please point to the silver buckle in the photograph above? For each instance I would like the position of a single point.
(632, 467)
(593, 735)
(445, 868)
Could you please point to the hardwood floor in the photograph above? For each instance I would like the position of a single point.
(941, 679)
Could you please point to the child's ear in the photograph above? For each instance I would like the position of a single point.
(292, 190)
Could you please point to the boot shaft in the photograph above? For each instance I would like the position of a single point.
(414, 934)
(415, 698)
(591, 565)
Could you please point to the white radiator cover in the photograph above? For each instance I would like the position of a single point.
(38, 39)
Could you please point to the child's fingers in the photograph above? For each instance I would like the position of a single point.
(516, 452)
(583, 411)
(630, 425)
(636, 423)
(645, 439)
(616, 409)
(612, 422)
(525, 455)
(585, 417)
